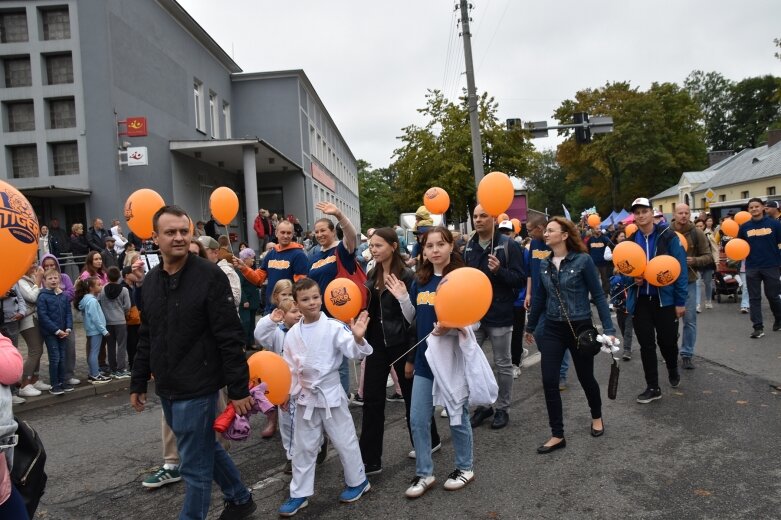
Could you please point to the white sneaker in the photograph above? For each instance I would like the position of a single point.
(516, 371)
(699, 309)
(15, 399)
(43, 387)
(419, 486)
(709, 305)
(435, 449)
(443, 413)
(458, 479)
(29, 391)
(73, 381)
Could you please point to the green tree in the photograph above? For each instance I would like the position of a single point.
(756, 108)
(547, 185)
(439, 153)
(375, 190)
(655, 138)
(713, 93)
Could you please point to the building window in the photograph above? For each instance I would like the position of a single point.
(65, 158)
(198, 94)
(24, 161)
(214, 120)
(21, 116)
(56, 24)
(722, 198)
(744, 194)
(226, 115)
(59, 69)
(13, 27)
(704, 203)
(17, 72)
(62, 113)
(771, 190)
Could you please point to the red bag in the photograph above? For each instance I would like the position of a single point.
(358, 276)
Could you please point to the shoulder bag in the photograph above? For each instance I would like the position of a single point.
(586, 338)
(357, 276)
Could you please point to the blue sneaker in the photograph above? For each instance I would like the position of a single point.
(351, 494)
(292, 506)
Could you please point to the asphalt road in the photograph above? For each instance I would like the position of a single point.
(709, 449)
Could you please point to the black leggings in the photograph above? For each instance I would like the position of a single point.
(516, 343)
(556, 338)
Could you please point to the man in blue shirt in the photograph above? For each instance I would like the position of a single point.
(763, 235)
(597, 244)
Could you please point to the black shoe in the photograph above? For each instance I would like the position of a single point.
(675, 377)
(776, 325)
(650, 394)
(686, 363)
(372, 469)
(598, 433)
(758, 333)
(238, 511)
(542, 450)
(288, 468)
(323, 453)
(395, 398)
(501, 418)
(481, 414)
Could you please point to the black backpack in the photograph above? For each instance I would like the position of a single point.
(28, 473)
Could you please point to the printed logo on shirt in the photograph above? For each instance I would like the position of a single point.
(539, 254)
(426, 298)
(325, 261)
(759, 232)
(279, 264)
(595, 244)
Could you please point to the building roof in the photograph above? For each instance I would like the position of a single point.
(190, 25)
(669, 192)
(747, 166)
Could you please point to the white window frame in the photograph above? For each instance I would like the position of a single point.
(226, 115)
(214, 118)
(198, 99)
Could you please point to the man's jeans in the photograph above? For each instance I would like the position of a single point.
(202, 457)
(422, 411)
(754, 280)
(501, 341)
(689, 337)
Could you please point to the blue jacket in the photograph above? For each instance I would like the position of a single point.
(54, 312)
(94, 319)
(662, 241)
(508, 280)
(596, 248)
(576, 278)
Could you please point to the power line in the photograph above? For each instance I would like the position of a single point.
(496, 29)
(449, 55)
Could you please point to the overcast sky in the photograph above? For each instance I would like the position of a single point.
(371, 62)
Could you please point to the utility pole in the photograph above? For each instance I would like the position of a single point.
(474, 121)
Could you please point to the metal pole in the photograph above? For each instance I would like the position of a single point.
(474, 123)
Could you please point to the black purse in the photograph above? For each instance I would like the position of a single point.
(586, 336)
(612, 383)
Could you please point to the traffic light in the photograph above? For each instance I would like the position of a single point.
(583, 133)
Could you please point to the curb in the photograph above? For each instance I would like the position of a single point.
(81, 391)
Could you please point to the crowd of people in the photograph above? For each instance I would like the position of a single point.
(192, 321)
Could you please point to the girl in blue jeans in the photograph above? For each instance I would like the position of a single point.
(55, 321)
(94, 323)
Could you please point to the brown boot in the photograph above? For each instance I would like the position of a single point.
(271, 425)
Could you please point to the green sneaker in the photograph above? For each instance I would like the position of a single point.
(162, 477)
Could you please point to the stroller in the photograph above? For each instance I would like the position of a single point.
(724, 281)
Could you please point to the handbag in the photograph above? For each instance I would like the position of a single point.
(586, 338)
(357, 276)
(612, 383)
(28, 473)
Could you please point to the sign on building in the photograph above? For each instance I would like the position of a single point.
(137, 156)
(136, 126)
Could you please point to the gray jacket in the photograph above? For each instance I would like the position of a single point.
(115, 302)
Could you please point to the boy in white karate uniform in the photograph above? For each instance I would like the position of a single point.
(313, 349)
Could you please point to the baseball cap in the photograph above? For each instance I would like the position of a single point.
(640, 202)
(771, 204)
(506, 224)
(208, 242)
(658, 213)
(109, 238)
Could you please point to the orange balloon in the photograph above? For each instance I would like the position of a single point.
(741, 217)
(140, 207)
(662, 270)
(737, 249)
(516, 225)
(463, 297)
(271, 369)
(594, 220)
(436, 200)
(630, 229)
(343, 299)
(18, 236)
(730, 228)
(224, 204)
(629, 258)
(495, 193)
(501, 218)
(684, 242)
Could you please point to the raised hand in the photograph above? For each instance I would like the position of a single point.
(328, 208)
(358, 325)
(396, 287)
(277, 315)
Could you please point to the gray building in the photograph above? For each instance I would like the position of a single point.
(73, 72)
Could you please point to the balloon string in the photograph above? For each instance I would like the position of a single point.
(410, 349)
(227, 233)
(619, 293)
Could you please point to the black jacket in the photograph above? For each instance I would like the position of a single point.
(190, 337)
(97, 238)
(79, 246)
(506, 282)
(387, 326)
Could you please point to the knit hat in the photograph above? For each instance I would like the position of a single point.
(246, 253)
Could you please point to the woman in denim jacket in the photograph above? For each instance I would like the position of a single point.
(567, 277)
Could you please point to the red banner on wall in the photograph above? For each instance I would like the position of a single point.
(136, 126)
(323, 178)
